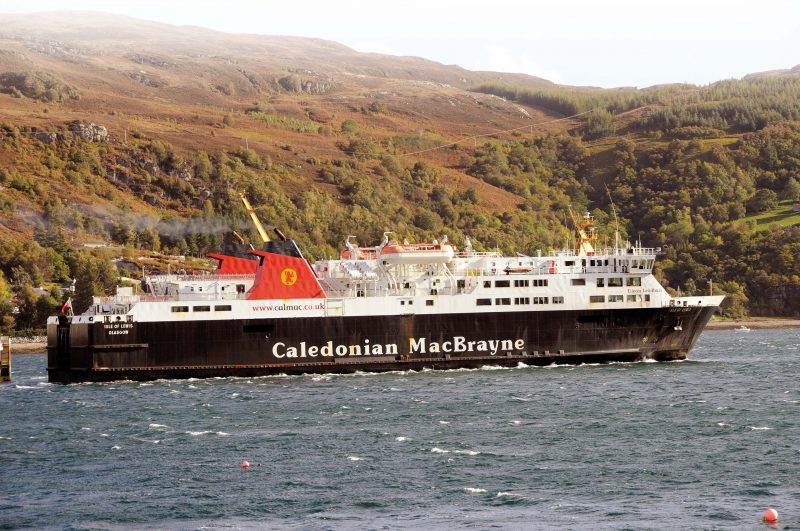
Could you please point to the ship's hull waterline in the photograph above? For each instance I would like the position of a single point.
(260, 347)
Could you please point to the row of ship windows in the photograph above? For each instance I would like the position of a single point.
(506, 301)
(219, 308)
(611, 282)
(518, 283)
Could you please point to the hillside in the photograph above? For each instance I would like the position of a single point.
(139, 136)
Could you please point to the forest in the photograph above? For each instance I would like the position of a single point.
(697, 171)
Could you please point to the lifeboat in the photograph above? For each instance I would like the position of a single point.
(358, 253)
(417, 253)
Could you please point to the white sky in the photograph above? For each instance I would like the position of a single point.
(604, 43)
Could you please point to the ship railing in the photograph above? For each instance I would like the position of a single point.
(199, 278)
(149, 297)
(477, 254)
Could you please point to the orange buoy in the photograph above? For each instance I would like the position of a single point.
(770, 515)
(245, 464)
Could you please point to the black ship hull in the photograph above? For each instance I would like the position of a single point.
(99, 351)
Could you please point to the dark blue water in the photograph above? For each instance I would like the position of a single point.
(706, 443)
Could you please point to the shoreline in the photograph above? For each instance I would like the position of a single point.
(753, 323)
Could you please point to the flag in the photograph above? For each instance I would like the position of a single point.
(67, 305)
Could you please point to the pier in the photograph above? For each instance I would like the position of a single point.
(5, 359)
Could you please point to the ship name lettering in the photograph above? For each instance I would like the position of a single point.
(460, 344)
(280, 350)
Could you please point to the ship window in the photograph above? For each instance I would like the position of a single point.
(428, 302)
(487, 283)
(601, 282)
(597, 298)
(615, 282)
(578, 281)
(633, 281)
(647, 298)
(540, 300)
(359, 293)
(615, 298)
(502, 283)
(569, 263)
(522, 300)
(483, 302)
(240, 288)
(524, 283)
(202, 308)
(179, 309)
(222, 308)
(502, 301)
(558, 300)
(540, 282)
(410, 303)
(634, 298)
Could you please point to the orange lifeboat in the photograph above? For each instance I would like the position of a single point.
(417, 253)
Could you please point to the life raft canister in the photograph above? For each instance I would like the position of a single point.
(552, 266)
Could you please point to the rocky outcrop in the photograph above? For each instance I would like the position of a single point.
(45, 137)
(89, 132)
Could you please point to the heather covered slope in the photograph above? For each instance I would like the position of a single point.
(140, 136)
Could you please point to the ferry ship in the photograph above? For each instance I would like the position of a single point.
(393, 306)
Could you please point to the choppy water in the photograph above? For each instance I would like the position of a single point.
(706, 443)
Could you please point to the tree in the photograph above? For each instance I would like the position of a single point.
(763, 200)
(7, 320)
(93, 277)
(791, 191)
(599, 123)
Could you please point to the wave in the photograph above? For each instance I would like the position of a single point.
(355, 458)
(473, 490)
(437, 450)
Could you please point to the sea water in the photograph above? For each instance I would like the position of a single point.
(705, 443)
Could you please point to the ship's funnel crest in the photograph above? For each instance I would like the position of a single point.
(284, 274)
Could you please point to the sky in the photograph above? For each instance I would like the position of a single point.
(606, 43)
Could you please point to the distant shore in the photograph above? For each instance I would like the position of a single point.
(754, 323)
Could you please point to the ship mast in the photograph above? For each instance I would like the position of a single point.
(260, 228)
(587, 234)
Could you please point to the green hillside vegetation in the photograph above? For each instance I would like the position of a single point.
(40, 86)
(708, 174)
(783, 215)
